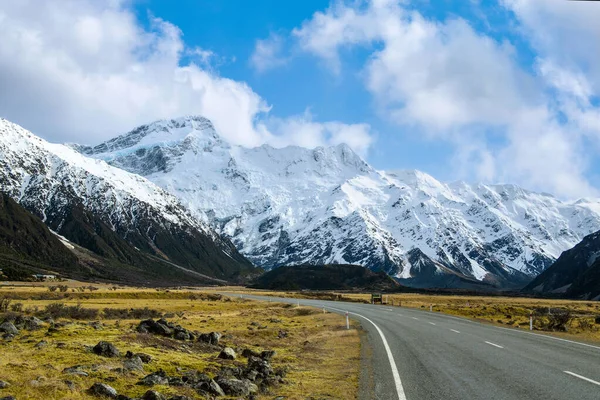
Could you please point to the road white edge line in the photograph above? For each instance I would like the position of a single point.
(549, 337)
(415, 318)
(494, 344)
(454, 330)
(432, 323)
(582, 377)
(395, 374)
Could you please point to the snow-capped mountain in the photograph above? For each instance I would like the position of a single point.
(295, 205)
(107, 210)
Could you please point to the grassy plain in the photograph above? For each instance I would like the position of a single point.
(584, 322)
(323, 357)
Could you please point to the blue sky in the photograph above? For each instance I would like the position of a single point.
(484, 91)
(230, 29)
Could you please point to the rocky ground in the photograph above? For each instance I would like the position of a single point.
(187, 347)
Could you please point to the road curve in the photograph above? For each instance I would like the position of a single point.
(420, 355)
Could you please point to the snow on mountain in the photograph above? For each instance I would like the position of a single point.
(52, 180)
(326, 205)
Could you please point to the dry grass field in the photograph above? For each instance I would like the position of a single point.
(579, 320)
(320, 356)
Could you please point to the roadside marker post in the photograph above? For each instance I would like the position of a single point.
(530, 320)
(347, 321)
(430, 308)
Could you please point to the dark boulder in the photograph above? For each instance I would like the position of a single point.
(155, 378)
(102, 390)
(227, 354)
(106, 349)
(250, 353)
(236, 387)
(153, 395)
(210, 338)
(133, 364)
(146, 358)
(9, 328)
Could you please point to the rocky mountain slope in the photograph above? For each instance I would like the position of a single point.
(576, 273)
(117, 215)
(327, 205)
(27, 246)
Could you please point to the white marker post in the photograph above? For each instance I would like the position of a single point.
(347, 321)
(530, 320)
(430, 308)
(298, 303)
(323, 310)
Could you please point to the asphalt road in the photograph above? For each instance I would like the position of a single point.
(421, 355)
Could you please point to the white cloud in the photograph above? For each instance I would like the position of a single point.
(448, 81)
(268, 53)
(88, 70)
(302, 131)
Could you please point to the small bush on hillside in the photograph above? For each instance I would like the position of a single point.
(17, 307)
(59, 310)
(10, 317)
(585, 324)
(559, 320)
(4, 303)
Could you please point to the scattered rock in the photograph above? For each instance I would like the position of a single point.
(32, 323)
(179, 397)
(75, 370)
(210, 338)
(236, 387)
(160, 327)
(156, 378)
(250, 353)
(146, 358)
(182, 335)
(133, 364)
(8, 398)
(106, 349)
(176, 381)
(4, 385)
(275, 321)
(9, 328)
(61, 345)
(227, 354)
(153, 395)
(102, 390)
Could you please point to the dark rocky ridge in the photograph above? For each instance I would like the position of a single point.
(27, 246)
(575, 274)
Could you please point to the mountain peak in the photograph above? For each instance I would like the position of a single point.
(164, 132)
